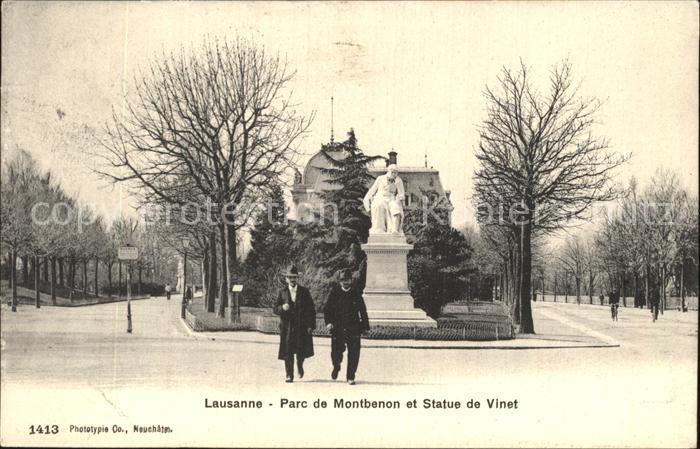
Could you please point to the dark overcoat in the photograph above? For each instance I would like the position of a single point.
(295, 323)
(347, 318)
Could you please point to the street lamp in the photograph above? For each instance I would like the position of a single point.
(185, 245)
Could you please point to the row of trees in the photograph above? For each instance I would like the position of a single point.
(644, 247)
(60, 244)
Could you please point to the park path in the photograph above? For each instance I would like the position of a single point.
(79, 366)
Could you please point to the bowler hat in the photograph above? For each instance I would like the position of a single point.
(291, 271)
(345, 275)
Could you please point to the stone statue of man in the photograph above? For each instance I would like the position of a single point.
(384, 200)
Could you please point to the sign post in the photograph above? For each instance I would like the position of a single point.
(128, 253)
(236, 300)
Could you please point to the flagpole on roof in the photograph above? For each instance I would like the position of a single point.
(331, 119)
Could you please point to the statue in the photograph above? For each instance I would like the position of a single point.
(384, 202)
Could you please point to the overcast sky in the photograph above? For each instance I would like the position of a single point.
(408, 76)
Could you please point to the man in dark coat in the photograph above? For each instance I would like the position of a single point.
(345, 314)
(614, 299)
(654, 301)
(297, 320)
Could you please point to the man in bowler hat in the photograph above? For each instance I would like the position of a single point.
(297, 320)
(345, 314)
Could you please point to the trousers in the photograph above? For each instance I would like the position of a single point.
(655, 310)
(289, 364)
(338, 345)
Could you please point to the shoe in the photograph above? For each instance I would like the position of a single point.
(289, 379)
(334, 373)
(301, 371)
(351, 382)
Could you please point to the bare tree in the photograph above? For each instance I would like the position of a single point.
(573, 256)
(18, 177)
(665, 206)
(539, 153)
(687, 243)
(209, 125)
(591, 264)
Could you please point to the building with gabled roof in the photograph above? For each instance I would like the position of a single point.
(418, 181)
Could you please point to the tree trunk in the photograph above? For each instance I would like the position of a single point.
(61, 276)
(211, 288)
(53, 281)
(25, 269)
(505, 282)
(622, 290)
(543, 286)
(663, 288)
(13, 278)
(109, 279)
(682, 292)
(514, 286)
(204, 263)
(578, 289)
(36, 284)
(31, 266)
(517, 279)
(526, 324)
(232, 263)
(119, 288)
(223, 293)
(46, 269)
(140, 277)
(646, 286)
(232, 252)
(590, 286)
(85, 282)
(72, 270)
(555, 286)
(97, 274)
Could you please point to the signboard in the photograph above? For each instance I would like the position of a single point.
(128, 253)
(237, 288)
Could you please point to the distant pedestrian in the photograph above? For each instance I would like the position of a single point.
(614, 299)
(297, 321)
(654, 300)
(188, 294)
(345, 315)
(168, 289)
(602, 299)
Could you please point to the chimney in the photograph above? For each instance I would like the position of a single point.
(392, 157)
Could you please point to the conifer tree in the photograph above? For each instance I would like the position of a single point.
(349, 179)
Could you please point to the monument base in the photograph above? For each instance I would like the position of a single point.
(389, 303)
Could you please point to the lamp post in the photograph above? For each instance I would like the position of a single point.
(185, 245)
(128, 297)
(128, 253)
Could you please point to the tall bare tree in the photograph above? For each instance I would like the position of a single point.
(208, 125)
(538, 152)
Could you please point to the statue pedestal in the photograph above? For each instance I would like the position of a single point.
(389, 302)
